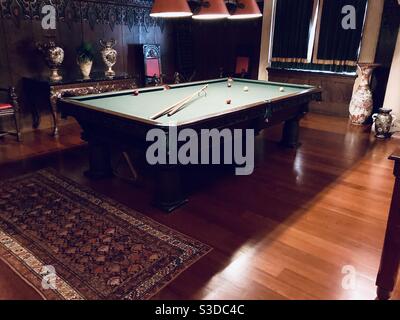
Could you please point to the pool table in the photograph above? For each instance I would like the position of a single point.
(123, 118)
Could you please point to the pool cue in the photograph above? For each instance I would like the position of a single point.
(130, 165)
(181, 106)
(178, 104)
(165, 111)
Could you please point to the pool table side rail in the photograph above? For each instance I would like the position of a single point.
(313, 93)
(184, 85)
(65, 105)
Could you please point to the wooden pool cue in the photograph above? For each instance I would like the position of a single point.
(182, 105)
(165, 111)
(178, 104)
(130, 165)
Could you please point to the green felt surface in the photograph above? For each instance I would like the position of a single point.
(150, 102)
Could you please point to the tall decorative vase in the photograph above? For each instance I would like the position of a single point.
(109, 55)
(361, 104)
(54, 57)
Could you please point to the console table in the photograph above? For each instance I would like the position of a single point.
(390, 260)
(41, 90)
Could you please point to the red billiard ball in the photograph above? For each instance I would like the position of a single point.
(229, 101)
(136, 92)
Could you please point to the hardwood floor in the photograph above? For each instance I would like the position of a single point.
(39, 143)
(285, 232)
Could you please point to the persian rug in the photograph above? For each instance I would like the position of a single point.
(70, 242)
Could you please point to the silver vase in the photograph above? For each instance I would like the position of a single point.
(54, 57)
(109, 55)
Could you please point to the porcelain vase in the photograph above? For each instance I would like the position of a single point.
(361, 104)
(383, 122)
(86, 68)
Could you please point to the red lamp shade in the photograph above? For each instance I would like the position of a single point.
(211, 10)
(246, 9)
(170, 9)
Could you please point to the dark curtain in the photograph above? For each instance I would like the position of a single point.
(338, 48)
(292, 30)
(385, 51)
(337, 45)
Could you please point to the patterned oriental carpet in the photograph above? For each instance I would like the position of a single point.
(69, 242)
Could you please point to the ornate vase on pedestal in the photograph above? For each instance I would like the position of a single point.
(361, 104)
(383, 123)
(109, 56)
(54, 57)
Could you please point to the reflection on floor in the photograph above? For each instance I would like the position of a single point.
(289, 231)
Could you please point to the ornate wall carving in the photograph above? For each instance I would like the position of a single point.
(106, 12)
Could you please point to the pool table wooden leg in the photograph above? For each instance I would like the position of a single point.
(291, 133)
(390, 260)
(169, 191)
(387, 275)
(99, 160)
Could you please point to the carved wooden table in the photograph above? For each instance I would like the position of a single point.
(389, 267)
(44, 91)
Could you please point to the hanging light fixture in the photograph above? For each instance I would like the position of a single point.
(210, 10)
(170, 9)
(245, 9)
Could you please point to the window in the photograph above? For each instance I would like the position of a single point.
(292, 30)
(335, 43)
(319, 35)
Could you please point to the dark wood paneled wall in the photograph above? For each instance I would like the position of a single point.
(4, 74)
(20, 58)
(216, 44)
(336, 89)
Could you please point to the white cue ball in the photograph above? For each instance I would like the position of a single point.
(246, 89)
(282, 89)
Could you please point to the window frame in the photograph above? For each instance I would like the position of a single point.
(313, 21)
(313, 41)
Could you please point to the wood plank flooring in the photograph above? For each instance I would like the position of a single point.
(285, 232)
